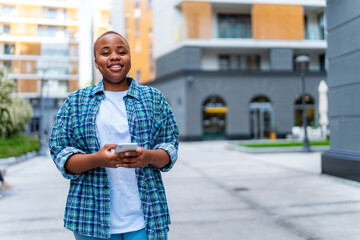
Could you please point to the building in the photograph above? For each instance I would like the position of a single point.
(40, 40)
(227, 67)
(138, 30)
(343, 158)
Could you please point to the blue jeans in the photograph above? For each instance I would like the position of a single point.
(136, 235)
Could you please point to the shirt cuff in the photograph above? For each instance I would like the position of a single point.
(172, 151)
(61, 159)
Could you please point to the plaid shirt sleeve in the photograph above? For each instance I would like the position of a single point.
(167, 136)
(60, 141)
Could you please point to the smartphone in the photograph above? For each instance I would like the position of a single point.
(124, 147)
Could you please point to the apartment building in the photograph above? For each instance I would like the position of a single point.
(227, 66)
(138, 30)
(40, 40)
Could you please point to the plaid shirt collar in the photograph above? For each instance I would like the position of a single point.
(133, 90)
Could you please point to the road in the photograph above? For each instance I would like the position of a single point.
(213, 193)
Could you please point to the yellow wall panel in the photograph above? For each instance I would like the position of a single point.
(72, 14)
(197, 16)
(282, 22)
(29, 11)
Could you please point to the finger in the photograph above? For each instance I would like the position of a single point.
(109, 146)
(131, 154)
(128, 165)
(128, 160)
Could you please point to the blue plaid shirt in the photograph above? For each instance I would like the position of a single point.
(152, 125)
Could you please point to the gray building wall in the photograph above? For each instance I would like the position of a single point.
(237, 89)
(281, 59)
(186, 58)
(343, 23)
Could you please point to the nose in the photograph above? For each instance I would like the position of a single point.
(114, 56)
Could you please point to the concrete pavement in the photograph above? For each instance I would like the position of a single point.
(213, 193)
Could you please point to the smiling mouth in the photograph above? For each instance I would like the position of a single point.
(115, 67)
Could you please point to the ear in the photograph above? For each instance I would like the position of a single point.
(96, 64)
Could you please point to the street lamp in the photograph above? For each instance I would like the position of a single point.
(303, 60)
(42, 150)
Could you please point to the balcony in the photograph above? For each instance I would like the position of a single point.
(306, 3)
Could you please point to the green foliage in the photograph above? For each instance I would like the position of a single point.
(285, 144)
(17, 145)
(20, 115)
(14, 112)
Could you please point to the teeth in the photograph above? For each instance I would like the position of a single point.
(115, 66)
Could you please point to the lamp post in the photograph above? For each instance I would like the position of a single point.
(42, 150)
(303, 60)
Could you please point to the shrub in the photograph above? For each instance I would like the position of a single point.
(14, 112)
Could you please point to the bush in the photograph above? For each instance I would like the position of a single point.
(14, 112)
(17, 145)
(7, 87)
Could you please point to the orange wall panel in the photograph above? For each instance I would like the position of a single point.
(139, 43)
(27, 85)
(29, 49)
(73, 85)
(197, 16)
(282, 22)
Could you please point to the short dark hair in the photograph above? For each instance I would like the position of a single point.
(106, 33)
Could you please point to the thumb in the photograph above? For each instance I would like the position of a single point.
(109, 146)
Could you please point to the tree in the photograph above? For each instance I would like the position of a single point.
(14, 112)
(7, 87)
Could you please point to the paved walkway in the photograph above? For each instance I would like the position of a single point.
(213, 194)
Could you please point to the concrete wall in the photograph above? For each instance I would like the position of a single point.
(175, 93)
(187, 58)
(343, 25)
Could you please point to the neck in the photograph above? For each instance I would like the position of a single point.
(116, 87)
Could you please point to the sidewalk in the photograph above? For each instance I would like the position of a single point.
(217, 194)
(213, 193)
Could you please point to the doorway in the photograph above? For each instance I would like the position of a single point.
(261, 118)
(214, 118)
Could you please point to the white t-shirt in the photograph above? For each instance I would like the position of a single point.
(126, 214)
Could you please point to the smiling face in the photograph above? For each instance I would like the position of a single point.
(112, 58)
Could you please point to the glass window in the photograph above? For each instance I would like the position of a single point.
(138, 76)
(239, 62)
(8, 11)
(306, 30)
(9, 49)
(224, 62)
(234, 26)
(6, 29)
(310, 110)
(322, 63)
(149, 4)
(50, 13)
(321, 25)
(214, 117)
(47, 31)
(8, 66)
(137, 27)
(137, 3)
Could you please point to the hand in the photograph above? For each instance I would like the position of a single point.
(133, 159)
(106, 158)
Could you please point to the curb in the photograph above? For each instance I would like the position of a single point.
(275, 149)
(13, 160)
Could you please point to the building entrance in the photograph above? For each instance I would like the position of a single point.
(261, 118)
(214, 118)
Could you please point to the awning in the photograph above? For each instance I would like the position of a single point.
(216, 110)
